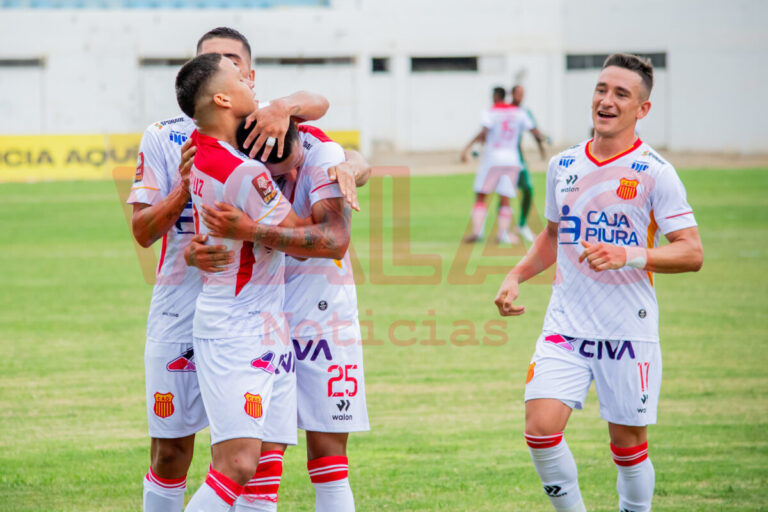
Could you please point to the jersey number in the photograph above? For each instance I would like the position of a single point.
(342, 374)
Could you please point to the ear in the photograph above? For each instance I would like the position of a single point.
(644, 108)
(222, 100)
(252, 75)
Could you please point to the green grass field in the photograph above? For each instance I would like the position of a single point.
(447, 416)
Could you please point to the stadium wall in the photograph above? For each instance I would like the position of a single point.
(89, 72)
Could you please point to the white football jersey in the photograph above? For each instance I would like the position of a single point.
(247, 297)
(320, 293)
(625, 200)
(176, 285)
(505, 124)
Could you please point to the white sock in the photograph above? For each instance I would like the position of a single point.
(505, 219)
(163, 494)
(478, 218)
(329, 476)
(217, 494)
(557, 470)
(636, 478)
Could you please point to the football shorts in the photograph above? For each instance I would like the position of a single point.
(501, 179)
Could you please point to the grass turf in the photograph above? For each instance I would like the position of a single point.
(444, 373)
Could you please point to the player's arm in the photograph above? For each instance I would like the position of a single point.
(274, 119)
(480, 137)
(684, 253)
(150, 222)
(354, 172)
(323, 235)
(540, 139)
(541, 256)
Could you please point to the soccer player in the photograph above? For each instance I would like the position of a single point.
(321, 303)
(503, 124)
(162, 209)
(606, 200)
(524, 180)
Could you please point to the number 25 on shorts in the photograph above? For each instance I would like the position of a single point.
(342, 374)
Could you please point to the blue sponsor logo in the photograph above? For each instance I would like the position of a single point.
(286, 364)
(566, 161)
(320, 347)
(177, 137)
(600, 349)
(640, 166)
(610, 228)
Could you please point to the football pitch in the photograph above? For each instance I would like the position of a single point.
(444, 372)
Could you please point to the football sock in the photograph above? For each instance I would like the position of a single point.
(505, 219)
(557, 470)
(217, 494)
(329, 476)
(260, 493)
(636, 477)
(478, 218)
(163, 494)
(525, 204)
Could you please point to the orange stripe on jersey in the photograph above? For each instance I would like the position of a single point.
(650, 241)
(148, 188)
(600, 163)
(273, 208)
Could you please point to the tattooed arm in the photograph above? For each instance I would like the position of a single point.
(324, 235)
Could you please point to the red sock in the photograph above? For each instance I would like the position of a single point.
(266, 482)
(224, 487)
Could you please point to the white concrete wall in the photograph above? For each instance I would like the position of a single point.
(709, 98)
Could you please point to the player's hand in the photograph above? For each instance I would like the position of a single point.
(507, 294)
(464, 156)
(344, 175)
(226, 221)
(210, 258)
(603, 256)
(185, 166)
(271, 121)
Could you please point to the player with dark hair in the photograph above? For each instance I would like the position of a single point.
(606, 200)
(162, 209)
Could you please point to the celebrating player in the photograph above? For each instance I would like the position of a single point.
(162, 209)
(321, 303)
(503, 124)
(606, 199)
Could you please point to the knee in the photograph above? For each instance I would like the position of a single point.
(241, 469)
(325, 444)
(171, 454)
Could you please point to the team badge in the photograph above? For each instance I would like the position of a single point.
(139, 168)
(253, 406)
(264, 362)
(184, 363)
(529, 377)
(163, 404)
(265, 187)
(627, 188)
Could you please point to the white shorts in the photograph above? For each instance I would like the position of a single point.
(280, 425)
(627, 376)
(330, 382)
(499, 178)
(236, 377)
(174, 406)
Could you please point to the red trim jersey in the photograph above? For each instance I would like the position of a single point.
(505, 124)
(176, 285)
(247, 297)
(625, 201)
(320, 293)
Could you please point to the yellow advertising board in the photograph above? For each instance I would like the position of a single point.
(30, 158)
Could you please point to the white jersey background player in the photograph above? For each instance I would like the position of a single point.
(607, 199)
(322, 304)
(502, 126)
(162, 209)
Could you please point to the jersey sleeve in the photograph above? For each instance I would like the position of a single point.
(551, 212)
(151, 183)
(486, 119)
(320, 186)
(668, 201)
(252, 189)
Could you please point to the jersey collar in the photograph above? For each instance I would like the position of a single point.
(601, 163)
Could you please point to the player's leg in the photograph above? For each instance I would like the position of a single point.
(479, 212)
(628, 388)
(526, 200)
(558, 381)
(175, 412)
(503, 235)
(328, 468)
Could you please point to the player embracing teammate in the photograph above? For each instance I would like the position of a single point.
(606, 201)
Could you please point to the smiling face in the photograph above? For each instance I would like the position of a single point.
(619, 101)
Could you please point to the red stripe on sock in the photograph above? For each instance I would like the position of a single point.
(266, 481)
(540, 442)
(328, 469)
(168, 483)
(629, 456)
(225, 488)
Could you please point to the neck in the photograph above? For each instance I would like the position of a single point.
(516, 103)
(221, 126)
(606, 146)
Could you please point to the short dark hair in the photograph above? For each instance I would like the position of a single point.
(639, 65)
(192, 79)
(225, 33)
(499, 92)
(291, 139)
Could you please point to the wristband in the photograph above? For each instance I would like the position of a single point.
(637, 257)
